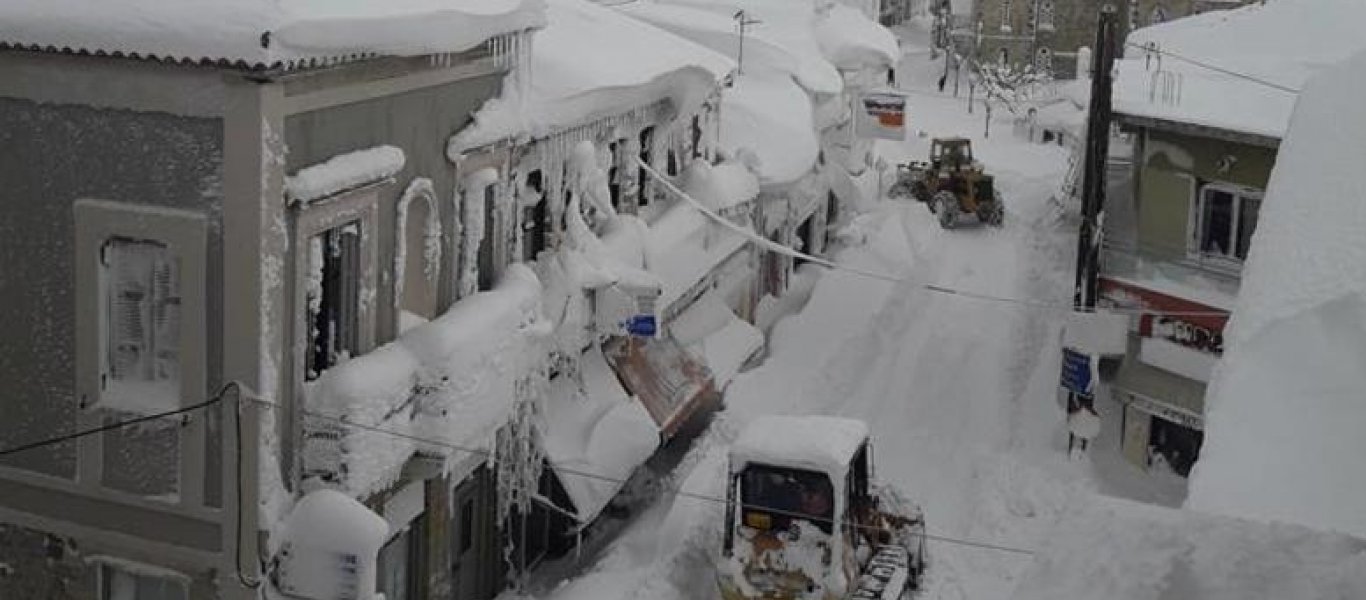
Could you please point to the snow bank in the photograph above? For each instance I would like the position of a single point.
(1121, 550)
(263, 33)
(817, 443)
(1285, 408)
(712, 331)
(344, 172)
(683, 247)
(722, 186)
(591, 62)
(1281, 41)
(770, 117)
(851, 41)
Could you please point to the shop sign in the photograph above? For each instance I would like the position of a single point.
(882, 115)
(1167, 412)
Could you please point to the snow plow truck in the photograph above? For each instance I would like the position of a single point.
(805, 518)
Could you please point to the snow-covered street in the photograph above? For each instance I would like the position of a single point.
(960, 392)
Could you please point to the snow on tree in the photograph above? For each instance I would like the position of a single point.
(1014, 87)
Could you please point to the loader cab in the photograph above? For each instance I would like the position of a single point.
(951, 152)
(798, 489)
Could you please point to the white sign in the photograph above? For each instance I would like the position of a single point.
(881, 115)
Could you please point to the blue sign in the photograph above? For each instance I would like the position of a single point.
(641, 326)
(1076, 372)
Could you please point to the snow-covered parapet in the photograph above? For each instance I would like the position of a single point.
(453, 380)
(344, 172)
(1283, 436)
(770, 118)
(263, 33)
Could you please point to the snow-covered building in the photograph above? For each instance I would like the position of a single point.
(1205, 141)
(565, 193)
(243, 210)
(790, 112)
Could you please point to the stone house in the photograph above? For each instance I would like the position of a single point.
(212, 211)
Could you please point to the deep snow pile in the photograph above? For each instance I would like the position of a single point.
(590, 62)
(1122, 550)
(263, 32)
(770, 118)
(1283, 42)
(1286, 407)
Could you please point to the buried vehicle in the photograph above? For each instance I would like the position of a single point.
(805, 519)
(951, 183)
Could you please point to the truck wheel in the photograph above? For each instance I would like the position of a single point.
(946, 205)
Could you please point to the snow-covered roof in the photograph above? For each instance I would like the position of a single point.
(813, 442)
(851, 40)
(591, 62)
(1122, 550)
(261, 33)
(770, 117)
(1282, 42)
(784, 45)
(1285, 407)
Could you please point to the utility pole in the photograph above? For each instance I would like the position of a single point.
(742, 21)
(1093, 174)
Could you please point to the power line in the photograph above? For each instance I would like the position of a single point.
(1215, 68)
(931, 287)
(673, 491)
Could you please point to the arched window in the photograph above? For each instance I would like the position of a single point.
(417, 255)
(1043, 60)
(1003, 56)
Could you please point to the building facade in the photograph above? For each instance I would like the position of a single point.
(219, 234)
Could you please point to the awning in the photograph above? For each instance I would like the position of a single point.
(670, 382)
(710, 330)
(595, 435)
(1159, 392)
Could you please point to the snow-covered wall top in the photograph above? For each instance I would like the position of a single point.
(591, 62)
(815, 443)
(1286, 407)
(1282, 42)
(1122, 550)
(343, 172)
(262, 33)
(850, 40)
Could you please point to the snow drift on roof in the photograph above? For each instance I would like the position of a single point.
(262, 33)
(771, 118)
(1282, 41)
(850, 40)
(590, 62)
(783, 46)
(1285, 409)
(1122, 550)
(816, 443)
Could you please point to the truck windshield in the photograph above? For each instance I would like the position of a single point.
(785, 494)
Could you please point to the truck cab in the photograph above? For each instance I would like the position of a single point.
(805, 519)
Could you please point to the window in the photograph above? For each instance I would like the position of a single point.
(398, 567)
(614, 175)
(335, 264)
(780, 493)
(140, 345)
(488, 274)
(417, 256)
(333, 297)
(1003, 56)
(1007, 15)
(1225, 219)
(141, 328)
(672, 167)
(696, 136)
(120, 584)
(534, 217)
(643, 183)
(1045, 16)
(1043, 60)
